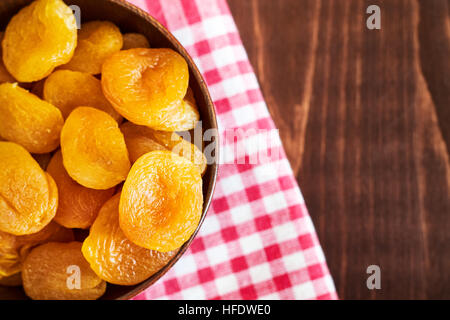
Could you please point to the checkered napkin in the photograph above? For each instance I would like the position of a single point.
(257, 241)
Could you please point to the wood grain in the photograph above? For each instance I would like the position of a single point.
(364, 117)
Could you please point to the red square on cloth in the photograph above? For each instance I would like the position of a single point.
(202, 48)
(239, 264)
(263, 223)
(249, 293)
(172, 286)
(205, 275)
(282, 282)
(257, 240)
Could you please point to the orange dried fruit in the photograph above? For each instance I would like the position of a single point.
(115, 258)
(53, 271)
(93, 149)
(141, 140)
(97, 41)
(184, 115)
(2, 36)
(134, 40)
(147, 87)
(78, 206)
(5, 76)
(39, 38)
(14, 249)
(161, 201)
(28, 195)
(27, 120)
(12, 281)
(68, 90)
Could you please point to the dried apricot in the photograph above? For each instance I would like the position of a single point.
(147, 87)
(27, 120)
(14, 249)
(78, 206)
(184, 115)
(161, 201)
(12, 281)
(115, 258)
(39, 38)
(28, 195)
(141, 140)
(5, 76)
(47, 272)
(9, 255)
(68, 90)
(97, 41)
(134, 40)
(94, 150)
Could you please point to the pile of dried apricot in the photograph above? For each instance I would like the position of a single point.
(88, 122)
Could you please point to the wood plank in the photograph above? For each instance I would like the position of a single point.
(366, 138)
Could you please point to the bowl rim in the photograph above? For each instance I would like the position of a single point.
(214, 167)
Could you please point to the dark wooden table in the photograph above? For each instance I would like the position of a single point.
(364, 116)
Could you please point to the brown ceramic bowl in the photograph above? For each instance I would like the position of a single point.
(131, 19)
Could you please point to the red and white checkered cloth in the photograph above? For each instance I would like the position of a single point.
(257, 241)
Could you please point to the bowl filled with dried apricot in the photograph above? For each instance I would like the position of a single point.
(102, 189)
